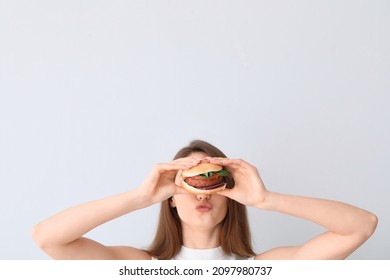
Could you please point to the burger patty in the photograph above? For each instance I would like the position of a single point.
(201, 182)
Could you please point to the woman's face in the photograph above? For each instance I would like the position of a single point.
(200, 211)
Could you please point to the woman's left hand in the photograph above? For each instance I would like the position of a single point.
(249, 188)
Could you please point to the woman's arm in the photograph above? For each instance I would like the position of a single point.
(61, 236)
(347, 226)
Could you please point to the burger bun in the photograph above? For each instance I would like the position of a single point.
(201, 168)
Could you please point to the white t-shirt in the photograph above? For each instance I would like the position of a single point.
(186, 253)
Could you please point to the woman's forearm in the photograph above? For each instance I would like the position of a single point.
(337, 217)
(74, 222)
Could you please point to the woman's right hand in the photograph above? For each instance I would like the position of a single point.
(160, 183)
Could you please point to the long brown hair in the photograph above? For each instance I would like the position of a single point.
(235, 234)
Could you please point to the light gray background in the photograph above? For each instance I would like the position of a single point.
(94, 93)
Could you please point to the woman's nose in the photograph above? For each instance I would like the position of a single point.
(202, 197)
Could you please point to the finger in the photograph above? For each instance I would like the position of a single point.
(227, 193)
(180, 190)
(230, 163)
(191, 161)
(216, 160)
(175, 165)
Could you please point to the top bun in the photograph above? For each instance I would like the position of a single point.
(201, 168)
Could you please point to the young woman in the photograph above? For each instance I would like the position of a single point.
(204, 226)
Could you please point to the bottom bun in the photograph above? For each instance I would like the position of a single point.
(194, 190)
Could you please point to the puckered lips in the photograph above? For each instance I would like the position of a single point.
(204, 207)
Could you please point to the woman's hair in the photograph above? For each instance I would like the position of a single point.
(235, 234)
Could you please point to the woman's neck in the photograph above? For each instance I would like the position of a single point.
(200, 238)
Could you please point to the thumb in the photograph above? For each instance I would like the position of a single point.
(228, 193)
(180, 190)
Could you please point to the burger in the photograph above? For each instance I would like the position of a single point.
(205, 178)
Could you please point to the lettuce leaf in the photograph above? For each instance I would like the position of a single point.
(221, 173)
